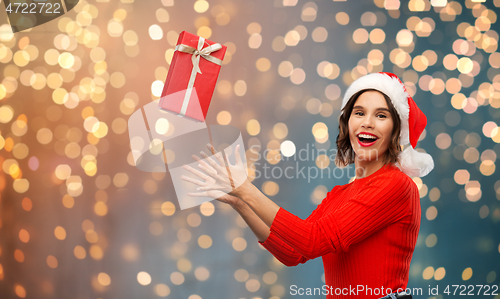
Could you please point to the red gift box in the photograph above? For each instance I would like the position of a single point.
(192, 76)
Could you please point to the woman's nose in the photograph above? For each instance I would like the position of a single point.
(367, 122)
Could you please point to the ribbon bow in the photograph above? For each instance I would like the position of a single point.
(200, 52)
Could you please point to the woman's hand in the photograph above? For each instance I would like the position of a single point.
(218, 183)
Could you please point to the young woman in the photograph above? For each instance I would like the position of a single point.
(366, 230)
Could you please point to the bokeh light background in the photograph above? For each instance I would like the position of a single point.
(78, 220)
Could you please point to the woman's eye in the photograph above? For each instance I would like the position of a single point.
(358, 113)
(382, 116)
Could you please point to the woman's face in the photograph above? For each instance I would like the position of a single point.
(370, 126)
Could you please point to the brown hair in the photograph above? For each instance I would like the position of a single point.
(345, 153)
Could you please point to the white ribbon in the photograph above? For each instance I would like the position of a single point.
(195, 59)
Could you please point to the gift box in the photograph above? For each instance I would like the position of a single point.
(192, 76)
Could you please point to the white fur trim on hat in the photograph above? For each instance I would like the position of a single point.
(414, 163)
(392, 88)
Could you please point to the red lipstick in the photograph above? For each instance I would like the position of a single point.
(366, 143)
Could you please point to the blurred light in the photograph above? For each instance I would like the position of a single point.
(279, 44)
(184, 265)
(285, 69)
(473, 191)
(224, 117)
(253, 127)
(431, 213)
(52, 262)
(194, 220)
(130, 38)
(60, 233)
(464, 65)
(241, 275)
(100, 209)
(320, 34)
(255, 41)
(20, 291)
(443, 141)
(177, 278)
(298, 76)
(130, 252)
(280, 130)
(320, 131)
(157, 88)
(309, 12)
(292, 38)
(168, 208)
(377, 36)
(240, 87)
(484, 211)
(96, 252)
(162, 15)
(342, 18)
(207, 209)
(302, 30)
(467, 274)
(252, 285)
(439, 3)
(201, 6)
(115, 28)
(239, 244)
(143, 278)
(155, 32)
(204, 241)
(360, 36)
(79, 252)
(254, 28)
(287, 148)
(68, 201)
(162, 290)
(263, 64)
(428, 273)
(6, 113)
(27, 204)
(322, 161)
(162, 125)
(270, 188)
(491, 277)
(120, 180)
(21, 185)
(104, 279)
(462, 176)
(440, 273)
(201, 273)
(24, 236)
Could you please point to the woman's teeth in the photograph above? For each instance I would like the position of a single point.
(364, 138)
(367, 136)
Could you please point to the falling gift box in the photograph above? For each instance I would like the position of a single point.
(192, 76)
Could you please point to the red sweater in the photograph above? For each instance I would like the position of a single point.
(365, 231)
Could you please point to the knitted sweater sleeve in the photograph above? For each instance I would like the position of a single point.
(285, 253)
(379, 202)
(282, 251)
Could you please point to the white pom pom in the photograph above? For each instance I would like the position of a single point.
(415, 163)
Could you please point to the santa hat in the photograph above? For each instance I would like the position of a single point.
(413, 120)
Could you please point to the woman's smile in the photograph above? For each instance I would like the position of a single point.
(367, 139)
